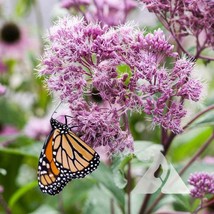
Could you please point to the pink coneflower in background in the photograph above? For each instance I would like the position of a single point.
(13, 41)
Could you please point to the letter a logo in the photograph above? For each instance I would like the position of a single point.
(169, 181)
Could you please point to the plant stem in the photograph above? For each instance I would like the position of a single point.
(129, 187)
(168, 142)
(199, 152)
(60, 204)
(172, 135)
(198, 115)
(4, 205)
(199, 208)
(204, 205)
(163, 136)
(165, 140)
(145, 203)
(198, 55)
(112, 206)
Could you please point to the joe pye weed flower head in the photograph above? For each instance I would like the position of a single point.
(184, 19)
(122, 66)
(202, 183)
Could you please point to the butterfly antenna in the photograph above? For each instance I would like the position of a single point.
(56, 109)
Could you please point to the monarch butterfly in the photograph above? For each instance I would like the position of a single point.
(64, 157)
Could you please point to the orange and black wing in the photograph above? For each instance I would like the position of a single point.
(75, 157)
(64, 157)
(51, 176)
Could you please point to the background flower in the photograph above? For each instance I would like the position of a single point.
(107, 12)
(2, 89)
(38, 128)
(14, 41)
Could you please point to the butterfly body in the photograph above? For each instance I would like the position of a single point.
(64, 157)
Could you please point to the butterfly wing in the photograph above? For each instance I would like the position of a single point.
(74, 155)
(64, 157)
(51, 175)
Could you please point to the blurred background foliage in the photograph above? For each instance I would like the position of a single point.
(105, 190)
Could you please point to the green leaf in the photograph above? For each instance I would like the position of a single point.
(136, 202)
(20, 192)
(8, 138)
(167, 200)
(207, 120)
(124, 69)
(23, 7)
(192, 50)
(47, 209)
(94, 58)
(104, 176)
(145, 150)
(100, 200)
(185, 145)
(11, 113)
(182, 202)
(30, 151)
(76, 193)
(118, 166)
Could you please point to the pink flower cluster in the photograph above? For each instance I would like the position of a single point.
(124, 69)
(109, 12)
(203, 183)
(187, 18)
